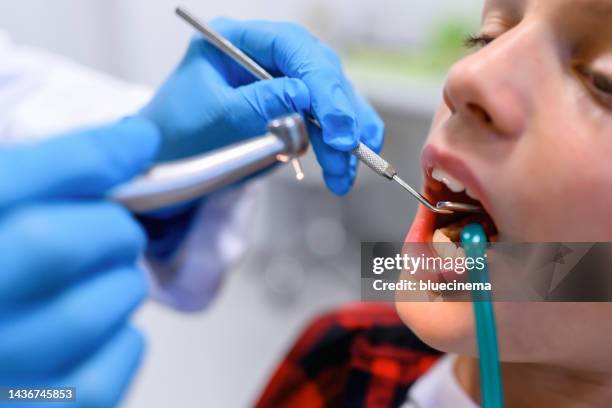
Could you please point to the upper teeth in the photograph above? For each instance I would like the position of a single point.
(453, 184)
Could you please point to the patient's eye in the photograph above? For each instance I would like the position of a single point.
(599, 84)
(478, 41)
(602, 82)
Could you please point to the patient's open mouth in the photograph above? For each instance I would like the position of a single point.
(441, 186)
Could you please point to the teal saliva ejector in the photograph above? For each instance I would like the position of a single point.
(474, 241)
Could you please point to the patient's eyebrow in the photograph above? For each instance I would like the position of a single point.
(593, 8)
(512, 9)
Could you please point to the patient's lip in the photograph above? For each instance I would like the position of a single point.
(434, 157)
(422, 226)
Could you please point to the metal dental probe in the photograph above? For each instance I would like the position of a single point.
(379, 165)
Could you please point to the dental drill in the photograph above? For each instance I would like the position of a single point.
(375, 162)
(172, 183)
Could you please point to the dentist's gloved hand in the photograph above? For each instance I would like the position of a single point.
(210, 101)
(69, 280)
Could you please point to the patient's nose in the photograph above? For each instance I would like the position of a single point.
(493, 86)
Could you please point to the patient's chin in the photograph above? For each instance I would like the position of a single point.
(448, 327)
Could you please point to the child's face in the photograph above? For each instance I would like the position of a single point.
(526, 126)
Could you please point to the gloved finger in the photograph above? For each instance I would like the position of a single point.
(372, 128)
(179, 107)
(51, 337)
(331, 55)
(257, 38)
(200, 51)
(46, 247)
(80, 164)
(291, 50)
(339, 168)
(341, 185)
(102, 380)
(371, 131)
(260, 102)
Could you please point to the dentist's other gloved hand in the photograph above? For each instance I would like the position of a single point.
(69, 279)
(210, 101)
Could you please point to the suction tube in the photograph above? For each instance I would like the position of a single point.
(474, 243)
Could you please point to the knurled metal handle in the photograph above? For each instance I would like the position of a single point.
(379, 165)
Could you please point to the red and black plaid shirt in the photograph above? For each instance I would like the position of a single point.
(361, 355)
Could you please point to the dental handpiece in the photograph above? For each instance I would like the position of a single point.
(176, 182)
(375, 162)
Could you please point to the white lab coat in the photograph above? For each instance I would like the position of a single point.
(42, 94)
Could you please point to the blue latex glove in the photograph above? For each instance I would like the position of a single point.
(210, 101)
(69, 276)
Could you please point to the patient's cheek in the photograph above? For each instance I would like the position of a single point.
(448, 327)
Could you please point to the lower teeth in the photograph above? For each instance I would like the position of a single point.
(444, 245)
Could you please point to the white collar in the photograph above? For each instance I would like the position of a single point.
(439, 388)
